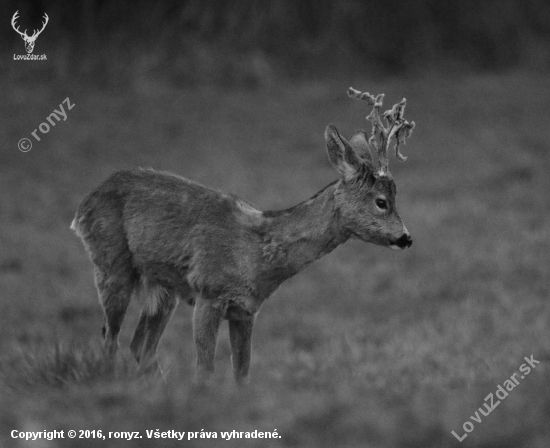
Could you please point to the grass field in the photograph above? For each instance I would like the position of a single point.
(365, 348)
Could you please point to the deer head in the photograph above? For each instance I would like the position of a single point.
(366, 195)
(29, 40)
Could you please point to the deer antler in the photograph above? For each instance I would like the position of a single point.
(36, 33)
(24, 34)
(13, 19)
(397, 127)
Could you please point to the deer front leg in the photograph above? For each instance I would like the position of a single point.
(240, 334)
(206, 322)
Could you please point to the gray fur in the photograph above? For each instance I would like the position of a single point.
(167, 238)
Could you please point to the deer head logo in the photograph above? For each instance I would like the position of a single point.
(29, 40)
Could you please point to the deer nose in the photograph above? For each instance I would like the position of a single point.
(404, 241)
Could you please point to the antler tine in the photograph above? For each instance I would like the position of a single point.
(37, 33)
(13, 20)
(363, 96)
(397, 127)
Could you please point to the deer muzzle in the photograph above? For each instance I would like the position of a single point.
(402, 242)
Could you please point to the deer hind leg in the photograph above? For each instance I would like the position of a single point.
(206, 323)
(115, 291)
(240, 335)
(157, 311)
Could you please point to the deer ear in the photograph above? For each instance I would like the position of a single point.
(341, 154)
(360, 144)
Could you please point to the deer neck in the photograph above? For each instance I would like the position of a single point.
(297, 236)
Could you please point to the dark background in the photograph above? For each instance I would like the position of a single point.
(365, 348)
(245, 41)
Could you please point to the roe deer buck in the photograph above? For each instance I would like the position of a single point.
(167, 238)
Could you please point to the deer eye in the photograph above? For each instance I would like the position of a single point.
(382, 204)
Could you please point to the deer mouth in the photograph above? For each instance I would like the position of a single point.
(395, 247)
